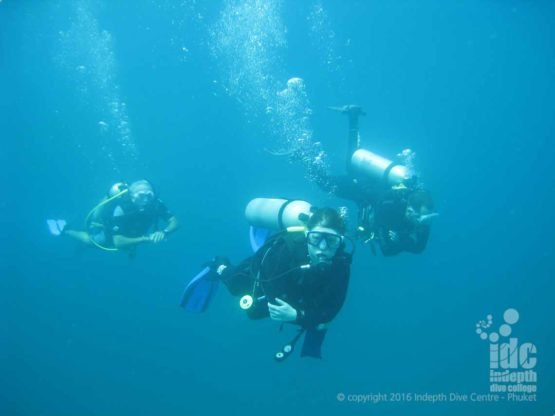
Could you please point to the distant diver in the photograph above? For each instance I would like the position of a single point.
(394, 209)
(129, 215)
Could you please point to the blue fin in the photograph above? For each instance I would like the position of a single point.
(258, 237)
(199, 292)
(312, 343)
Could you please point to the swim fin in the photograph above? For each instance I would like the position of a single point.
(312, 343)
(56, 227)
(200, 291)
(258, 237)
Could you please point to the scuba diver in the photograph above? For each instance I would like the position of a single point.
(299, 275)
(401, 221)
(394, 210)
(129, 215)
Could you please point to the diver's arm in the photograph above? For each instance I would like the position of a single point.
(123, 242)
(354, 135)
(240, 279)
(81, 236)
(159, 236)
(172, 225)
(237, 279)
(412, 242)
(353, 112)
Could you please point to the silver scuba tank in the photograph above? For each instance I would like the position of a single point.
(367, 163)
(277, 213)
(117, 188)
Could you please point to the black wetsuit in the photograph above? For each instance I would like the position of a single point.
(317, 294)
(390, 215)
(122, 217)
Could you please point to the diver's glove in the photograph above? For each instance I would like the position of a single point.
(282, 311)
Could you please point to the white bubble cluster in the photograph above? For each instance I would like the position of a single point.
(87, 54)
(323, 37)
(291, 118)
(248, 42)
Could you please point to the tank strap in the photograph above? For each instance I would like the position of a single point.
(388, 171)
(280, 213)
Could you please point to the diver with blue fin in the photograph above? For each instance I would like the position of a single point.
(394, 209)
(298, 275)
(129, 215)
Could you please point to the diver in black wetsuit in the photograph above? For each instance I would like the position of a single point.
(394, 210)
(401, 221)
(128, 216)
(298, 276)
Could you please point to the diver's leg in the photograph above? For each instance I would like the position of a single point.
(354, 134)
(353, 112)
(81, 236)
(353, 140)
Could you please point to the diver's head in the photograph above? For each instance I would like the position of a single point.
(324, 236)
(141, 193)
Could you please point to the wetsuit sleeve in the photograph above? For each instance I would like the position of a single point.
(238, 279)
(325, 303)
(412, 242)
(163, 212)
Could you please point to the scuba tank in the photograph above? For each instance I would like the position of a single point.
(117, 188)
(277, 213)
(369, 164)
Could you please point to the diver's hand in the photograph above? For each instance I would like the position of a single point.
(282, 312)
(393, 236)
(157, 237)
(412, 215)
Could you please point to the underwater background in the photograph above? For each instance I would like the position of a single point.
(199, 97)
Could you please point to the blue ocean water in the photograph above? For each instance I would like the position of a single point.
(195, 96)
